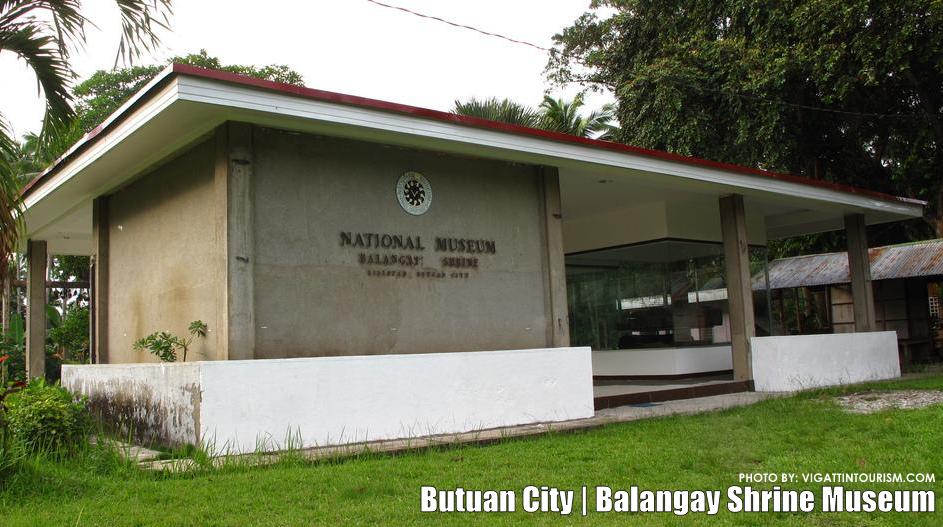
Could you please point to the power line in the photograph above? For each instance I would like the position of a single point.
(462, 26)
(584, 64)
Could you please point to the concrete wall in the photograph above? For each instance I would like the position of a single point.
(314, 298)
(800, 362)
(662, 361)
(336, 400)
(162, 262)
(154, 403)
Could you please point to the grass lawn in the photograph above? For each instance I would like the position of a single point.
(803, 434)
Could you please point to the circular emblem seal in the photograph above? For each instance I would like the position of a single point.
(414, 193)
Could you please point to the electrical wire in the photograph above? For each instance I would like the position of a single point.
(722, 92)
(458, 25)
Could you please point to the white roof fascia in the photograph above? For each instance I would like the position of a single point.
(247, 98)
(233, 96)
(110, 138)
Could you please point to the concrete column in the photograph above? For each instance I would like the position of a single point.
(557, 310)
(219, 328)
(36, 309)
(99, 279)
(859, 267)
(92, 348)
(235, 198)
(739, 291)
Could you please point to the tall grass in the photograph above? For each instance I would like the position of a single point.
(37, 471)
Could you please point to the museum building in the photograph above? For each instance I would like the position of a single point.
(370, 270)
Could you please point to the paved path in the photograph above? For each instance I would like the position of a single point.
(683, 406)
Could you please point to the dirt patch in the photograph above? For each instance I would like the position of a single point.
(870, 402)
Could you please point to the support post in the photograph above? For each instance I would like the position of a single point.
(557, 312)
(92, 348)
(739, 291)
(99, 279)
(859, 267)
(6, 303)
(36, 309)
(234, 185)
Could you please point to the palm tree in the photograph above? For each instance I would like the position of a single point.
(42, 33)
(564, 116)
(557, 115)
(23, 162)
(41, 150)
(503, 110)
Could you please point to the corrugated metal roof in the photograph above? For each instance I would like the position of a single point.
(893, 261)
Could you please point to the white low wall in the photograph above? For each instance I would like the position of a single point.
(243, 405)
(797, 362)
(157, 402)
(662, 361)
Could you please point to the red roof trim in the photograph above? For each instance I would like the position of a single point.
(374, 104)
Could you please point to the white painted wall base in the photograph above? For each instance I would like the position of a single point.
(797, 362)
(158, 402)
(246, 406)
(662, 361)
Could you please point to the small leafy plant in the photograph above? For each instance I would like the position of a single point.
(166, 346)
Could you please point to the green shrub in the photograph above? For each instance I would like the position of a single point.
(70, 337)
(43, 417)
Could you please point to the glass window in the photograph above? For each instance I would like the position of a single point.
(658, 294)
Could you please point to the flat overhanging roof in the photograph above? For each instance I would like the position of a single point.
(184, 104)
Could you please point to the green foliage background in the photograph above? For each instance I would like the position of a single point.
(106, 90)
(849, 91)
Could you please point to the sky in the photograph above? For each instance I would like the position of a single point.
(348, 46)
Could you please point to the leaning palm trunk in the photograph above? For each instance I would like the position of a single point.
(10, 217)
(10, 222)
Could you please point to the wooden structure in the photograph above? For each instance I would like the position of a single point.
(812, 294)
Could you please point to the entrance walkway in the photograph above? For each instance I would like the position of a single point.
(615, 393)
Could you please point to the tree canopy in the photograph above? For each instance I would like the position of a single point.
(106, 90)
(849, 91)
